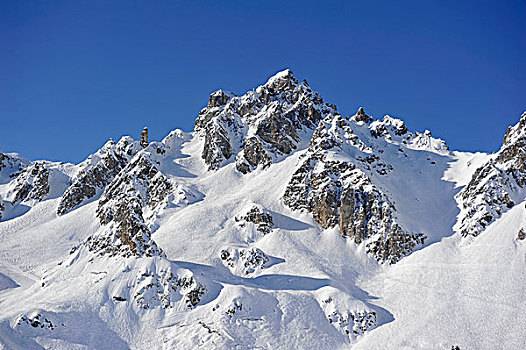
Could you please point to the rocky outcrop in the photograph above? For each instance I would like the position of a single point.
(136, 194)
(259, 217)
(394, 130)
(144, 138)
(97, 172)
(36, 320)
(165, 289)
(130, 204)
(387, 127)
(337, 192)
(32, 184)
(495, 186)
(121, 209)
(11, 165)
(521, 235)
(351, 320)
(252, 155)
(244, 262)
(353, 323)
(362, 117)
(260, 126)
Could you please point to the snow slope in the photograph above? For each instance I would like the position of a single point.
(180, 245)
(468, 293)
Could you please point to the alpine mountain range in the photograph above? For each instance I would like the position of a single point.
(279, 222)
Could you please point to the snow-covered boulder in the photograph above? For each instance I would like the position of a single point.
(245, 262)
(258, 216)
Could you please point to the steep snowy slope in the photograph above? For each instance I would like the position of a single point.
(277, 224)
(464, 292)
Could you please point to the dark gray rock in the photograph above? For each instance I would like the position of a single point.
(165, 289)
(138, 186)
(258, 216)
(11, 165)
(97, 172)
(144, 138)
(217, 147)
(260, 126)
(353, 323)
(360, 116)
(339, 193)
(244, 261)
(32, 183)
(492, 187)
(253, 154)
(219, 98)
(36, 320)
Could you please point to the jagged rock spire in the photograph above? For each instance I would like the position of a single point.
(144, 137)
(362, 117)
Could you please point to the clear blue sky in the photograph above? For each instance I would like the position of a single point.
(74, 73)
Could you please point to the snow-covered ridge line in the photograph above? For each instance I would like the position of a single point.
(277, 223)
(497, 185)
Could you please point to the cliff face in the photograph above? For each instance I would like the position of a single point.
(497, 185)
(336, 191)
(96, 172)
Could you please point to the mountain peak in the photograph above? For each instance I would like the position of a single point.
(262, 125)
(360, 116)
(286, 73)
(281, 81)
(276, 213)
(516, 132)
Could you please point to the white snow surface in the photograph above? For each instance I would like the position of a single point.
(315, 289)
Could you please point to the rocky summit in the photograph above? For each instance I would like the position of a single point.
(279, 222)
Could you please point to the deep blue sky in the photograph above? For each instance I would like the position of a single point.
(74, 73)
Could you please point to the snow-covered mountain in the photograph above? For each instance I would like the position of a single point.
(278, 223)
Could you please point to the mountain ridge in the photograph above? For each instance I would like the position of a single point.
(276, 214)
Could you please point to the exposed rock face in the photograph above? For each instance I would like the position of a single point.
(393, 129)
(339, 193)
(130, 203)
(97, 171)
(388, 126)
(258, 216)
(144, 137)
(122, 205)
(32, 183)
(353, 323)
(137, 192)
(164, 289)
(36, 320)
(349, 320)
(244, 261)
(497, 185)
(11, 165)
(260, 126)
(362, 117)
(254, 154)
(521, 235)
